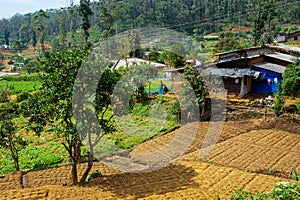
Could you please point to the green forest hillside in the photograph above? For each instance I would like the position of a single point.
(57, 26)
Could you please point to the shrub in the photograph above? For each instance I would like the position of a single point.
(95, 174)
(33, 66)
(23, 96)
(6, 163)
(18, 58)
(4, 93)
(25, 77)
(13, 69)
(278, 104)
(291, 79)
(227, 44)
(282, 191)
(298, 107)
(286, 191)
(38, 158)
(174, 108)
(241, 195)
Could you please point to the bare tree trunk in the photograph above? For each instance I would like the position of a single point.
(88, 169)
(71, 148)
(16, 161)
(15, 156)
(74, 172)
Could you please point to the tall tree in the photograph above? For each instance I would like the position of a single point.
(263, 28)
(55, 104)
(9, 139)
(94, 119)
(85, 11)
(108, 15)
(196, 81)
(62, 30)
(72, 20)
(39, 26)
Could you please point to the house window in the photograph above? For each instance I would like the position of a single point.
(295, 38)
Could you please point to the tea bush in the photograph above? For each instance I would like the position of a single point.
(282, 191)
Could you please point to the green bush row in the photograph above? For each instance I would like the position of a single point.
(24, 77)
(282, 191)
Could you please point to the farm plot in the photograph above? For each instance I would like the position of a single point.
(61, 176)
(187, 178)
(11, 181)
(181, 180)
(230, 129)
(267, 151)
(54, 176)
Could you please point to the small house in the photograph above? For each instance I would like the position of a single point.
(5, 47)
(254, 70)
(292, 37)
(130, 61)
(19, 64)
(260, 69)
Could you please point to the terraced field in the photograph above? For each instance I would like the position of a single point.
(266, 151)
(240, 159)
(55, 176)
(185, 180)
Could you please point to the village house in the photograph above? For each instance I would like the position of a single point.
(19, 64)
(130, 61)
(258, 70)
(253, 70)
(5, 47)
(292, 37)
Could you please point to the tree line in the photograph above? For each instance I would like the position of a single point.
(110, 17)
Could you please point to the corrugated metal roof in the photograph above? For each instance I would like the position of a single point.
(282, 56)
(271, 67)
(285, 48)
(232, 72)
(8, 74)
(130, 62)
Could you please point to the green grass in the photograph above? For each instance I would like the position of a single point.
(23, 77)
(292, 43)
(146, 120)
(21, 86)
(32, 158)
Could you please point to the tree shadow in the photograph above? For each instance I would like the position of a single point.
(139, 185)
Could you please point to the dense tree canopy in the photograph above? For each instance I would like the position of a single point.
(183, 15)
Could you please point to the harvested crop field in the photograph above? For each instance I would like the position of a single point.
(257, 151)
(185, 180)
(245, 156)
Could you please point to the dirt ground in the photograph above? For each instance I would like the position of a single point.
(249, 154)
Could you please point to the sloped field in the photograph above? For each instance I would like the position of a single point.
(225, 169)
(11, 181)
(230, 129)
(266, 151)
(185, 180)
